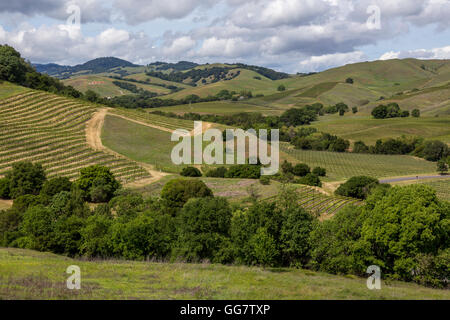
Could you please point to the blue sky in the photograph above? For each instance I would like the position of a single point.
(288, 35)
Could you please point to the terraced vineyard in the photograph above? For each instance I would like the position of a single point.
(49, 129)
(342, 166)
(320, 204)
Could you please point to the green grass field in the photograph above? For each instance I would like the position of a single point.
(26, 274)
(342, 166)
(139, 142)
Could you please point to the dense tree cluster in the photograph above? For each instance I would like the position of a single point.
(194, 75)
(172, 88)
(357, 187)
(188, 223)
(392, 110)
(15, 69)
(433, 150)
(133, 88)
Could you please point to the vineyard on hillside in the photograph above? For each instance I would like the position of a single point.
(49, 129)
(320, 204)
(342, 166)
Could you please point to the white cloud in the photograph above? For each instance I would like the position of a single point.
(436, 53)
(67, 45)
(179, 47)
(269, 32)
(138, 11)
(317, 63)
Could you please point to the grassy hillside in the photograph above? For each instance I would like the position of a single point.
(51, 130)
(105, 88)
(245, 81)
(218, 107)
(412, 83)
(29, 274)
(139, 142)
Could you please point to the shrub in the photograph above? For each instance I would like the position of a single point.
(217, 173)
(4, 189)
(95, 236)
(56, 185)
(190, 172)
(246, 223)
(25, 178)
(37, 228)
(97, 183)
(301, 169)
(334, 242)
(441, 167)
(264, 248)
(318, 171)
(357, 187)
(310, 180)
(177, 192)
(349, 81)
(360, 147)
(281, 87)
(244, 171)
(203, 226)
(294, 237)
(149, 234)
(432, 270)
(415, 113)
(264, 180)
(287, 167)
(434, 150)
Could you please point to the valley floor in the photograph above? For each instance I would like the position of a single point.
(26, 274)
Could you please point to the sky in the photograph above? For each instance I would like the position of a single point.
(286, 35)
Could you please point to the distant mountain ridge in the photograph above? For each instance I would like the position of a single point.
(98, 65)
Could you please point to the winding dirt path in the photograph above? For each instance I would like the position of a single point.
(93, 137)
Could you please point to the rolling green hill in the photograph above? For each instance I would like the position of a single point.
(423, 84)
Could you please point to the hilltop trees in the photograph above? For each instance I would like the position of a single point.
(15, 69)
